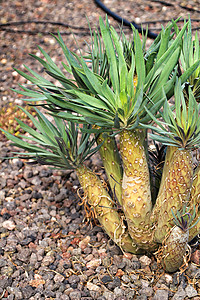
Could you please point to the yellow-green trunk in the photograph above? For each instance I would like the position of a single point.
(111, 161)
(175, 191)
(100, 201)
(168, 157)
(136, 194)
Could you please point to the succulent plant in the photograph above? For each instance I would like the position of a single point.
(120, 92)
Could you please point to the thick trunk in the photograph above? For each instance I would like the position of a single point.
(103, 205)
(111, 161)
(136, 194)
(175, 191)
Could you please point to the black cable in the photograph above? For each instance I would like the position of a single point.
(123, 21)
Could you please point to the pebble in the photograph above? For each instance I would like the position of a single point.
(179, 295)
(9, 224)
(71, 260)
(93, 287)
(24, 255)
(75, 295)
(93, 263)
(58, 278)
(106, 278)
(161, 294)
(190, 291)
(145, 261)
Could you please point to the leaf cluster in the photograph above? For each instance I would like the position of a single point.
(57, 143)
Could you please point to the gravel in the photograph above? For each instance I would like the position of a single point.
(49, 251)
(47, 248)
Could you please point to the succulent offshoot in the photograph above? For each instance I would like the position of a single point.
(175, 248)
(180, 131)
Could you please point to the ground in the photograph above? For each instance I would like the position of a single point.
(47, 248)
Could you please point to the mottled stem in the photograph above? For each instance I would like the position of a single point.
(136, 194)
(175, 191)
(103, 205)
(112, 164)
(168, 157)
(174, 249)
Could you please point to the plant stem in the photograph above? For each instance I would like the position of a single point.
(103, 206)
(175, 190)
(136, 194)
(111, 161)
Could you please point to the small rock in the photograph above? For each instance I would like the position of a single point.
(23, 255)
(161, 294)
(148, 291)
(4, 282)
(2, 262)
(47, 260)
(33, 259)
(106, 278)
(145, 261)
(190, 291)
(9, 224)
(109, 295)
(115, 283)
(16, 292)
(193, 271)
(8, 271)
(27, 292)
(75, 295)
(125, 278)
(93, 287)
(93, 263)
(36, 181)
(73, 279)
(118, 292)
(83, 243)
(168, 278)
(27, 174)
(119, 273)
(195, 257)
(58, 278)
(180, 295)
(2, 195)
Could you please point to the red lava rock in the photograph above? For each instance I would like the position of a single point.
(4, 211)
(128, 255)
(32, 245)
(5, 294)
(75, 241)
(119, 273)
(195, 257)
(70, 248)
